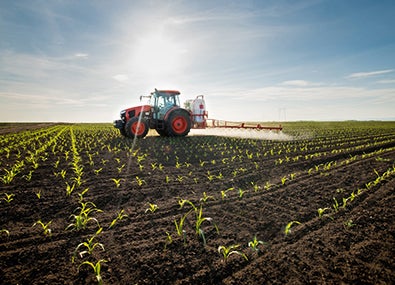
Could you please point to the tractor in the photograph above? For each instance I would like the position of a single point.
(163, 114)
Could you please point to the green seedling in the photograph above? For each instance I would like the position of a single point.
(228, 251)
(180, 226)
(206, 197)
(321, 211)
(96, 269)
(198, 225)
(254, 244)
(81, 220)
(38, 194)
(119, 217)
(168, 241)
(140, 181)
(46, 230)
(117, 182)
(287, 229)
(4, 231)
(8, 197)
(69, 189)
(89, 244)
(152, 208)
(223, 192)
(349, 224)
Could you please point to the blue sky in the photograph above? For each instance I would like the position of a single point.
(84, 61)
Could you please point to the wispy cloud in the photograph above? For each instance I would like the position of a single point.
(299, 83)
(121, 77)
(368, 74)
(388, 81)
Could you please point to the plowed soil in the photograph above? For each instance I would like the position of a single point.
(244, 188)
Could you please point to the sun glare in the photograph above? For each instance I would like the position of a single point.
(157, 54)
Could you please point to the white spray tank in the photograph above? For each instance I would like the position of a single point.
(197, 107)
(199, 110)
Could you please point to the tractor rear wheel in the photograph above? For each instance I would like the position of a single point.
(136, 128)
(162, 133)
(179, 123)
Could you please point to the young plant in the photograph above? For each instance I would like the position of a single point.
(321, 211)
(38, 194)
(8, 197)
(96, 269)
(168, 241)
(117, 182)
(228, 251)
(81, 220)
(206, 197)
(287, 229)
(180, 226)
(119, 217)
(46, 230)
(242, 192)
(152, 208)
(198, 225)
(4, 231)
(89, 244)
(254, 244)
(223, 192)
(140, 181)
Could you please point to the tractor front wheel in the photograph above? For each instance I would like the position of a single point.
(136, 128)
(179, 123)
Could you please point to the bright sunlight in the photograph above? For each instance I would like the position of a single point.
(156, 54)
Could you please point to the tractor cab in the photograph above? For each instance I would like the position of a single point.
(163, 101)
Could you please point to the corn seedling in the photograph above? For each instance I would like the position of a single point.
(267, 186)
(38, 194)
(242, 192)
(335, 205)
(228, 251)
(223, 192)
(69, 188)
(117, 182)
(119, 217)
(182, 202)
(97, 171)
(168, 241)
(321, 211)
(180, 226)
(151, 207)
(254, 244)
(140, 181)
(349, 224)
(287, 229)
(198, 225)
(8, 197)
(89, 244)
(5, 232)
(96, 269)
(206, 197)
(46, 230)
(81, 220)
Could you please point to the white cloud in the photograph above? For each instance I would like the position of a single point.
(388, 81)
(121, 77)
(81, 55)
(368, 74)
(299, 83)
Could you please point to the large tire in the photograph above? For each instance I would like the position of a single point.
(162, 133)
(136, 128)
(179, 123)
(123, 132)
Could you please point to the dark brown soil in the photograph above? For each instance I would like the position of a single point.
(283, 181)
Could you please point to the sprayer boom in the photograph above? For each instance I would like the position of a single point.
(234, 125)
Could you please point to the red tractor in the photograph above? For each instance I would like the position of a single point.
(163, 114)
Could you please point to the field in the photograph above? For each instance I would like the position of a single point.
(82, 205)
